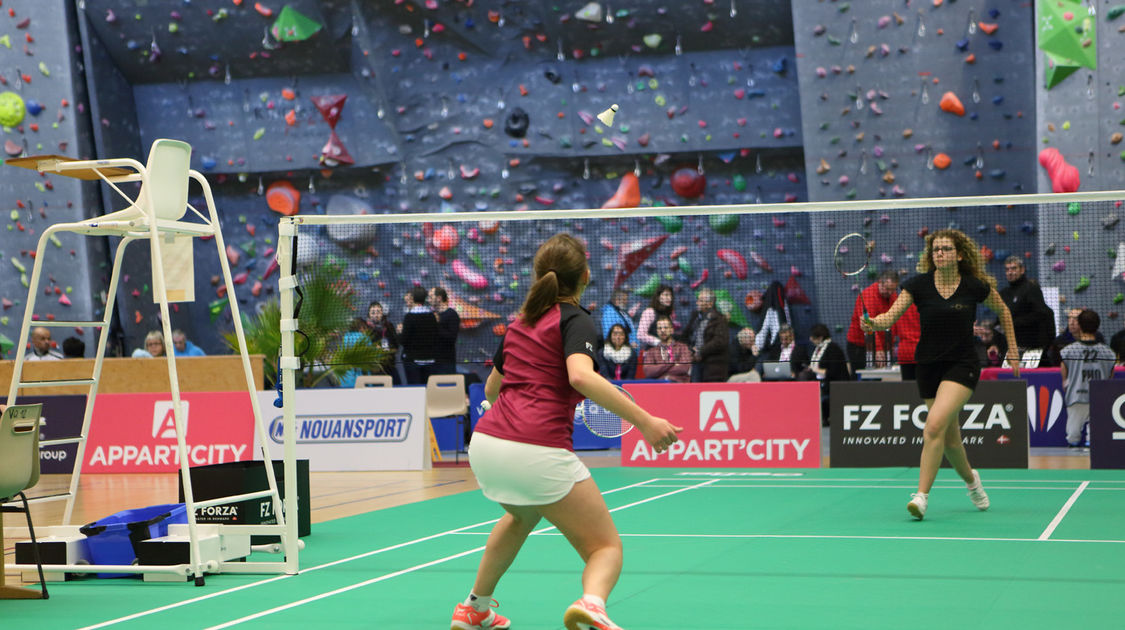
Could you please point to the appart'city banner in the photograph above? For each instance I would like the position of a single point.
(731, 425)
(137, 432)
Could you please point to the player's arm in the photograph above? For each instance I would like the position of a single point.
(1062, 371)
(658, 432)
(996, 304)
(492, 386)
(885, 320)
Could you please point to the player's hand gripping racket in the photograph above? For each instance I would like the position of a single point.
(852, 255)
(601, 421)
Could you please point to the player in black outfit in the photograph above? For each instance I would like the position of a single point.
(950, 283)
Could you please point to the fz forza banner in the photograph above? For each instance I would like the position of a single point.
(730, 425)
(880, 424)
(1107, 424)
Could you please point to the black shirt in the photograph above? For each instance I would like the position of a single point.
(947, 324)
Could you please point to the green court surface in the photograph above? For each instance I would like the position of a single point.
(829, 548)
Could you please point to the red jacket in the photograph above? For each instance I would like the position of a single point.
(876, 305)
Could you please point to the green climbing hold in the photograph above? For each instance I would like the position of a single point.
(648, 289)
(739, 183)
(671, 224)
(1073, 208)
(685, 265)
(1119, 298)
(6, 344)
(723, 223)
(1083, 284)
(1115, 12)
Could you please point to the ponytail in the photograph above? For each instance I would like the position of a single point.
(558, 268)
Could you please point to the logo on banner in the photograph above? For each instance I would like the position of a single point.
(316, 429)
(1044, 405)
(718, 411)
(1118, 419)
(164, 419)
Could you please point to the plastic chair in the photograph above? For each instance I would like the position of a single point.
(445, 397)
(374, 380)
(19, 470)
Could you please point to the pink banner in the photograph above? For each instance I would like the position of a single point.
(731, 425)
(136, 433)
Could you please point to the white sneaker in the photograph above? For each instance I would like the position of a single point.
(977, 493)
(917, 505)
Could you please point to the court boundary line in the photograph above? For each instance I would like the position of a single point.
(418, 567)
(1062, 511)
(242, 587)
(847, 537)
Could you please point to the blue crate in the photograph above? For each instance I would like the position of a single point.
(112, 540)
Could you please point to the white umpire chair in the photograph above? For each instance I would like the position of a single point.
(157, 214)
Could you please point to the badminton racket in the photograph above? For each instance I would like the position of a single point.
(852, 255)
(601, 421)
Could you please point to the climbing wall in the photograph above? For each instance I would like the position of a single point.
(917, 100)
(43, 111)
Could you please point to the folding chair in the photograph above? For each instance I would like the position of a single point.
(445, 397)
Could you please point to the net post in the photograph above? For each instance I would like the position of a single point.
(287, 282)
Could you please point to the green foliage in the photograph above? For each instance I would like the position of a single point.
(324, 344)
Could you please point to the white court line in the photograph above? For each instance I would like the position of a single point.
(235, 589)
(1062, 512)
(843, 537)
(418, 567)
(727, 486)
(779, 479)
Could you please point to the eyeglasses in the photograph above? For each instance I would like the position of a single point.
(945, 248)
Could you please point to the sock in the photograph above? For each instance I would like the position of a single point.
(594, 599)
(480, 603)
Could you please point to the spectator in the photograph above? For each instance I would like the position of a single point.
(744, 358)
(617, 358)
(907, 330)
(1032, 317)
(73, 348)
(708, 335)
(181, 347)
(787, 349)
(1052, 356)
(990, 343)
(154, 346)
(41, 349)
(1117, 343)
(1083, 361)
(615, 313)
(668, 359)
(449, 324)
(877, 299)
(662, 304)
(383, 334)
(419, 338)
(827, 364)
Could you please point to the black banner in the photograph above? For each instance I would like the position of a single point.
(62, 418)
(880, 424)
(1107, 424)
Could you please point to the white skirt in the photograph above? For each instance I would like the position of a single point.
(515, 473)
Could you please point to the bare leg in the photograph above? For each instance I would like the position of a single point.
(503, 544)
(955, 452)
(943, 412)
(584, 519)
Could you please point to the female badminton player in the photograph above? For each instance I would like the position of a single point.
(950, 283)
(522, 449)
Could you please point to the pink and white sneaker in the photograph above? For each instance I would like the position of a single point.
(583, 615)
(466, 617)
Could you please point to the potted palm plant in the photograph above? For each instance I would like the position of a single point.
(327, 340)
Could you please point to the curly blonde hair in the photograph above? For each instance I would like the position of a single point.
(971, 262)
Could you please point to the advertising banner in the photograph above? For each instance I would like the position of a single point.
(1046, 405)
(731, 425)
(1107, 424)
(62, 418)
(137, 432)
(375, 428)
(880, 424)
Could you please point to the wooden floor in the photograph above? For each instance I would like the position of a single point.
(333, 494)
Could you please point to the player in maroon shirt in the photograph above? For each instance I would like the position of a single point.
(522, 451)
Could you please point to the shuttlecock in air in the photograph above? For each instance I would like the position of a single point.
(607, 116)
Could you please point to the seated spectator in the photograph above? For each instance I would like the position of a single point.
(827, 363)
(184, 348)
(154, 346)
(744, 358)
(617, 358)
(990, 343)
(668, 359)
(41, 349)
(787, 349)
(663, 303)
(73, 348)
